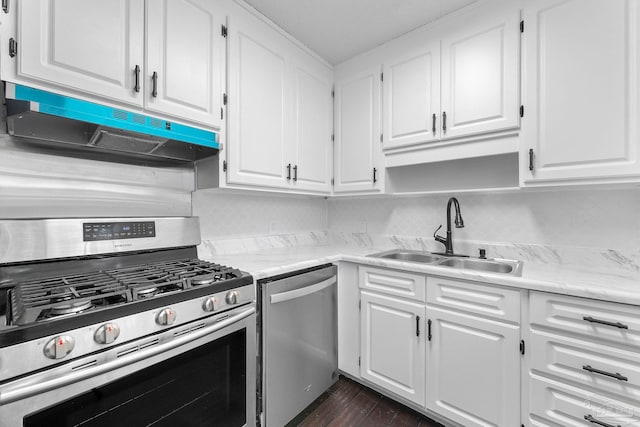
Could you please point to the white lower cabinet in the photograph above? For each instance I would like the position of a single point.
(473, 369)
(392, 345)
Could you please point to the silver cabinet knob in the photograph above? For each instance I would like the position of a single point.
(166, 317)
(232, 297)
(107, 333)
(209, 304)
(59, 347)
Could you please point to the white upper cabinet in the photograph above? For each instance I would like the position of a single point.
(582, 94)
(280, 112)
(169, 60)
(456, 80)
(92, 46)
(313, 125)
(480, 74)
(357, 164)
(412, 95)
(185, 61)
(259, 107)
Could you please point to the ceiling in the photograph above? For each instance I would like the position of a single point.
(340, 29)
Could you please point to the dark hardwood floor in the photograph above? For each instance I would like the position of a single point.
(349, 404)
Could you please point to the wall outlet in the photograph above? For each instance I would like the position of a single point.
(362, 227)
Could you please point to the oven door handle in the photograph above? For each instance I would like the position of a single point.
(18, 390)
(304, 291)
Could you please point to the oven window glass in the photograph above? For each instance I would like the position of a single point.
(202, 387)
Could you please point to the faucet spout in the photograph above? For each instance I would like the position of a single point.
(459, 223)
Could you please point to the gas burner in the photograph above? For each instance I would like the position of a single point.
(72, 308)
(147, 292)
(205, 279)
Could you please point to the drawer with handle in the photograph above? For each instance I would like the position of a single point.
(600, 369)
(557, 404)
(610, 323)
(393, 282)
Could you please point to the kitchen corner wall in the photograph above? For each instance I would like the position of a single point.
(247, 222)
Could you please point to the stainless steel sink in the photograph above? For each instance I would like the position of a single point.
(494, 265)
(411, 256)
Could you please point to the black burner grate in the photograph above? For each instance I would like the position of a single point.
(75, 294)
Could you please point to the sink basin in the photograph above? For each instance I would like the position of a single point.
(482, 265)
(502, 266)
(411, 256)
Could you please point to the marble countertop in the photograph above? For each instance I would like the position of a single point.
(542, 277)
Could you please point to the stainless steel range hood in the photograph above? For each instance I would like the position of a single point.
(56, 119)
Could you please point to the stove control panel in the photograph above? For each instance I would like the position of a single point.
(93, 231)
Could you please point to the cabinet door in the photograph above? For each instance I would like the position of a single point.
(259, 102)
(473, 369)
(91, 46)
(313, 125)
(582, 64)
(185, 59)
(480, 74)
(392, 345)
(357, 138)
(412, 97)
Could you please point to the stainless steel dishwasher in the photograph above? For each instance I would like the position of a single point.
(299, 341)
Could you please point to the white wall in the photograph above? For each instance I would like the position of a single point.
(34, 184)
(585, 218)
(227, 215)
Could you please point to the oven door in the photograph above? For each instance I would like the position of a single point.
(201, 376)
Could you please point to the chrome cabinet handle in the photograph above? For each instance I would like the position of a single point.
(295, 173)
(531, 159)
(289, 172)
(605, 322)
(154, 79)
(617, 375)
(429, 329)
(375, 178)
(433, 123)
(417, 326)
(600, 423)
(136, 86)
(444, 121)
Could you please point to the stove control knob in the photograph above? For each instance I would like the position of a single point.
(59, 347)
(166, 317)
(107, 333)
(209, 304)
(232, 297)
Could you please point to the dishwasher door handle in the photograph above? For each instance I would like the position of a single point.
(301, 292)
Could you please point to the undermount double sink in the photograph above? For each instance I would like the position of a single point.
(503, 266)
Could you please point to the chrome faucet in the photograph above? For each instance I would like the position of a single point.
(448, 241)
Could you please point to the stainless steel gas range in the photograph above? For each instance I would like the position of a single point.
(115, 321)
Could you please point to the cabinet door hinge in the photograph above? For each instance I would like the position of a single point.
(522, 347)
(381, 77)
(224, 31)
(522, 111)
(5, 6)
(522, 26)
(13, 47)
(224, 166)
(224, 99)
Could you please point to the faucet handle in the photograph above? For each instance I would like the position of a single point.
(439, 238)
